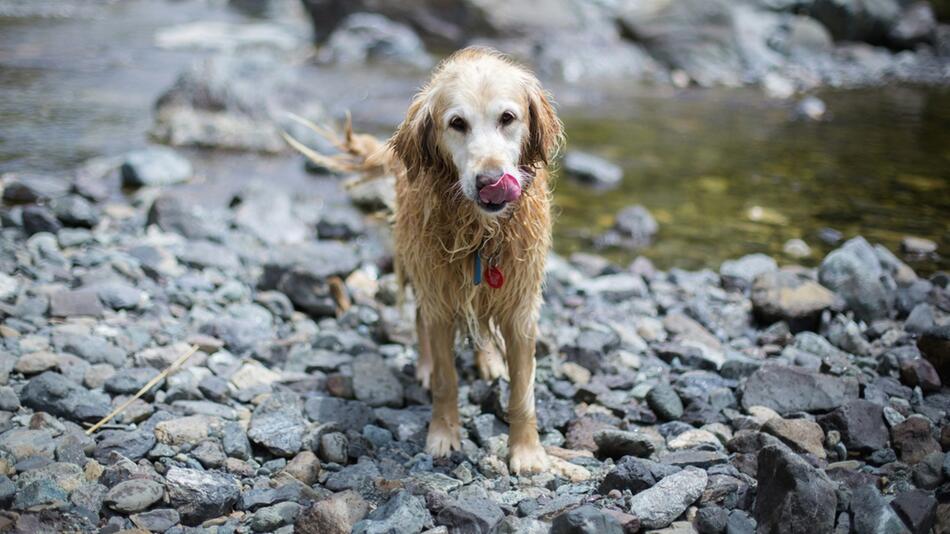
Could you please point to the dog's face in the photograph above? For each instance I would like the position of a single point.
(483, 123)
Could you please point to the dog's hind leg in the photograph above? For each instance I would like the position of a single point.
(424, 365)
(444, 428)
(526, 455)
(488, 353)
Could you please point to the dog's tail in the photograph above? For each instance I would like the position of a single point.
(362, 154)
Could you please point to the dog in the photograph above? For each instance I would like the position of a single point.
(472, 229)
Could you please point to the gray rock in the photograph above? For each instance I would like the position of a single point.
(363, 37)
(7, 491)
(403, 513)
(133, 444)
(787, 390)
(619, 443)
(269, 215)
(172, 214)
(158, 520)
(346, 414)
(91, 348)
(270, 518)
(235, 442)
(75, 211)
(634, 227)
(917, 508)
(334, 515)
(585, 520)
(860, 423)
(664, 401)
(56, 394)
(792, 497)
(278, 424)
(854, 272)
(29, 188)
(354, 477)
(38, 219)
(200, 495)
(470, 514)
(75, 302)
(660, 505)
(786, 295)
(635, 474)
(340, 222)
(374, 382)
(742, 272)
(334, 447)
(591, 169)
(120, 296)
(129, 380)
(9, 402)
(23, 443)
(134, 495)
(155, 166)
(871, 513)
(856, 21)
(208, 255)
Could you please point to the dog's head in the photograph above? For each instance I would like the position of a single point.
(481, 128)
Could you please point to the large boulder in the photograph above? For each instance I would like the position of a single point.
(793, 497)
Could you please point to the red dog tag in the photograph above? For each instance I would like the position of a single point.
(493, 277)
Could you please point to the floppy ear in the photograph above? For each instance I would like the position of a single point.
(415, 141)
(545, 131)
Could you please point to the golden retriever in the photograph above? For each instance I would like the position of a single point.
(472, 229)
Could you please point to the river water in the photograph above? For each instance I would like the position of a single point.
(725, 172)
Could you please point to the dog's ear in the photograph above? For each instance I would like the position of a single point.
(415, 141)
(545, 131)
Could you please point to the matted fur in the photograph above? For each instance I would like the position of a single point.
(438, 230)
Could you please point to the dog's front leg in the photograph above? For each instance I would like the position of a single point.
(526, 455)
(444, 428)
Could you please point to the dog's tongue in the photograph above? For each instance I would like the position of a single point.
(506, 189)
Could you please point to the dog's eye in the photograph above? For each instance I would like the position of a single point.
(506, 118)
(458, 124)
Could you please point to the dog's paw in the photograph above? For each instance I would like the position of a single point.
(442, 440)
(527, 459)
(491, 364)
(424, 373)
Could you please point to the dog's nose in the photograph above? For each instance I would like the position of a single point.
(486, 178)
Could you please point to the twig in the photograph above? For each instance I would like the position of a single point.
(151, 383)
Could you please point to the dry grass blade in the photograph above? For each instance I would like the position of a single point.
(151, 383)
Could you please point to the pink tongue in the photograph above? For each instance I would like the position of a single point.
(506, 189)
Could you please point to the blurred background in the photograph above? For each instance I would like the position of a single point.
(698, 130)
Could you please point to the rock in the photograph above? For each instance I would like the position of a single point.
(269, 215)
(591, 169)
(356, 476)
(348, 415)
(470, 514)
(334, 515)
(374, 382)
(919, 372)
(75, 302)
(134, 444)
(36, 362)
(120, 296)
(56, 394)
(155, 166)
(585, 520)
(800, 434)
(218, 36)
(928, 473)
(31, 188)
(934, 344)
(619, 443)
(134, 495)
(172, 214)
(658, 506)
(712, 520)
(634, 227)
(913, 439)
(918, 246)
(403, 513)
(856, 21)
(340, 222)
(278, 424)
(871, 512)
(635, 474)
(860, 423)
(91, 348)
(793, 497)
(742, 272)
(7, 491)
(37, 219)
(787, 390)
(305, 467)
(785, 295)
(917, 508)
(208, 255)
(234, 441)
(363, 37)
(186, 430)
(129, 380)
(200, 495)
(334, 448)
(271, 518)
(9, 402)
(75, 212)
(855, 273)
(159, 520)
(664, 401)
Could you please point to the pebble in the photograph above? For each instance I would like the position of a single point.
(659, 505)
(134, 495)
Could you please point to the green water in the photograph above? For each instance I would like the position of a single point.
(703, 161)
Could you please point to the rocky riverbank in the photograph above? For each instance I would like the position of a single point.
(756, 397)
